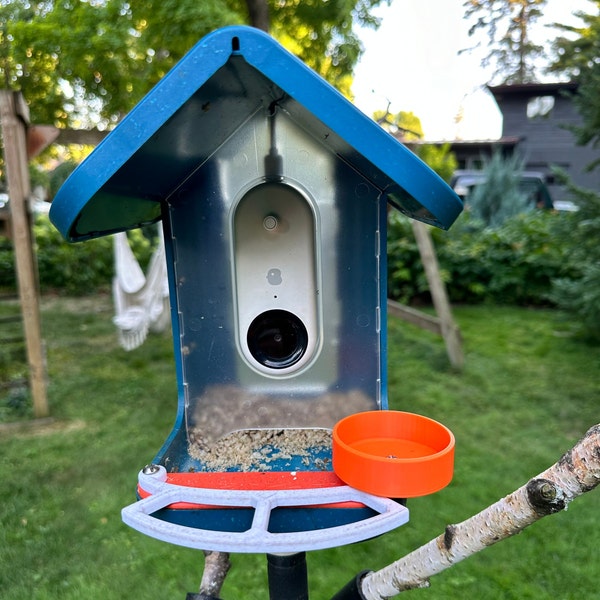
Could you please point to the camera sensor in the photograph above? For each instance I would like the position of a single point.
(277, 339)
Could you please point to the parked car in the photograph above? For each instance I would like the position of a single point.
(531, 183)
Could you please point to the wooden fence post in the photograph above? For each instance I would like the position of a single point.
(449, 329)
(13, 122)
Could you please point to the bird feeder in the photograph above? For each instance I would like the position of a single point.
(273, 192)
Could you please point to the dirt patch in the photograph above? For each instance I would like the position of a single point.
(40, 427)
(97, 303)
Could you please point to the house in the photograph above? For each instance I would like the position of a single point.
(537, 118)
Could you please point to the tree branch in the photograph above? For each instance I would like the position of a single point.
(216, 567)
(577, 472)
(258, 13)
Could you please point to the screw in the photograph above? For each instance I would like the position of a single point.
(151, 469)
(270, 222)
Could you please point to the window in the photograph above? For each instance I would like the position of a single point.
(540, 106)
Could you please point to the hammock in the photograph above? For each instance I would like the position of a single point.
(141, 302)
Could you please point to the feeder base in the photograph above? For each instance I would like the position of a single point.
(264, 509)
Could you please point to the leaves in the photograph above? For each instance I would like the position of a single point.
(87, 63)
(511, 264)
(506, 25)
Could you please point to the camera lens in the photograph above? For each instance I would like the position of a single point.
(277, 339)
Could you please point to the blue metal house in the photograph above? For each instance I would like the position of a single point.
(273, 193)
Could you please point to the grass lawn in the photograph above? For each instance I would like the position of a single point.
(527, 393)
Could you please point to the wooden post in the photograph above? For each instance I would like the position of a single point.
(14, 117)
(449, 329)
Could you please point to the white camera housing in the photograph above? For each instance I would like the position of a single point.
(276, 275)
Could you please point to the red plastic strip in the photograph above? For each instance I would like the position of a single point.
(255, 481)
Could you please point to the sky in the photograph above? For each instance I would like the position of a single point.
(412, 61)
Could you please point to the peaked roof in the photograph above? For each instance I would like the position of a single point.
(199, 104)
(533, 89)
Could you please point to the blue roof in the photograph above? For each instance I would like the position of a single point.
(199, 104)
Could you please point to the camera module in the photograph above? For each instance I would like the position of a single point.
(277, 339)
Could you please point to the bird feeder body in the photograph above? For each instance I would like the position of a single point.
(273, 193)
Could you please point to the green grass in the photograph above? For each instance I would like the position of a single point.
(527, 393)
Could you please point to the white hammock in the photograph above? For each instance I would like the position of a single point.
(141, 302)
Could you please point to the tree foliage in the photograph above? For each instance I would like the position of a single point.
(440, 158)
(577, 54)
(88, 62)
(576, 50)
(405, 123)
(576, 57)
(578, 293)
(507, 26)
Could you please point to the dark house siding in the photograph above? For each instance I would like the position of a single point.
(543, 141)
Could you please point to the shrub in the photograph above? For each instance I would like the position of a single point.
(74, 269)
(577, 291)
(511, 264)
(498, 197)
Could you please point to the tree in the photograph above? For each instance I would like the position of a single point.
(407, 124)
(89, 62)
(576, 50)
(440, 158)
(507, 24)
(579, 294)
(577, 57)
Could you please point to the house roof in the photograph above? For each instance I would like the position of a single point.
(225, 78)
(532, 89)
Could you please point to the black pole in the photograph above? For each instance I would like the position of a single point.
(288, 578)
(353, 589)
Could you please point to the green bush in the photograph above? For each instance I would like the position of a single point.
(7, 265)
(74, 269)
(406, 278)
(514, 263)
(511, 264)
(577, 291)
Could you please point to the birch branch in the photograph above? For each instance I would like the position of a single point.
(577, 472)
(216, 567)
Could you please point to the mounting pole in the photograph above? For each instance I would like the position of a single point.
(288, 578)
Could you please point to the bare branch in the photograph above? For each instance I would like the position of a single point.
(216, 567)
(577, 472)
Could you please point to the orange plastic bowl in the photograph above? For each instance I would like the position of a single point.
(393, 454)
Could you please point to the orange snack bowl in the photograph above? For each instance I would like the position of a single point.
(393, 454)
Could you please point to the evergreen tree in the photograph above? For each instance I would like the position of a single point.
(507, 25)
(579, 295)
(498, 197)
